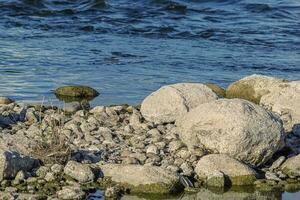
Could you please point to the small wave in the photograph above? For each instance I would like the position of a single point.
(258, 7)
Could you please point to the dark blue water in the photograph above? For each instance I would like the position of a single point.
(127, 48)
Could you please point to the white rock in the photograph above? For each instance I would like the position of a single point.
(171, 101)
(235, 127)
(285, 101)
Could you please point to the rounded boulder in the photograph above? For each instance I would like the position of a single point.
(285, 101)
(236, 127)
(169, 102)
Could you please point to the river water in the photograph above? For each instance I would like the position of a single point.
(128, 48)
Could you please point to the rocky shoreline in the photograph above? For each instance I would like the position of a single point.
(185, 136)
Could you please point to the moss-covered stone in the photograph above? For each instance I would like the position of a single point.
(141, 179)
(253, 87)
(216, 89)
(243, 91)
(76, 91)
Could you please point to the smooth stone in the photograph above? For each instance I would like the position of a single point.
(236, 127)
(237, 172)
(142, 179)
(253, 87)
(172, 101)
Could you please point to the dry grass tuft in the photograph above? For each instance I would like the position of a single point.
(53, 147)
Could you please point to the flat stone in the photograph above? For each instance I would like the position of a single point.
(76, 91)
(142, 179)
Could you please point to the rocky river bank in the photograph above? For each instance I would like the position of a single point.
(183, 137)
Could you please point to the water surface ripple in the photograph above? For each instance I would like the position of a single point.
(127, 48)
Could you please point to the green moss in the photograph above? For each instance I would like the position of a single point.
(243, 180)
(243, 91)
(216, 89)
(76, 92)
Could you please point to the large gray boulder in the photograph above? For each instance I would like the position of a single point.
(142, 179)
(237, 172)
(169, 102)
(252, 87)
(285, 101)
(235, 127)
(12, 162)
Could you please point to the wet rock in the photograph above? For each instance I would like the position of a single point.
(252, 87)
(80, 172)
(235, 127)
(76, 91)
(285, 101)
(142, 179)
(71, 193)
(216, 179)
(237, 172)
(171, 101)
(291, 166)
(12, 162)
